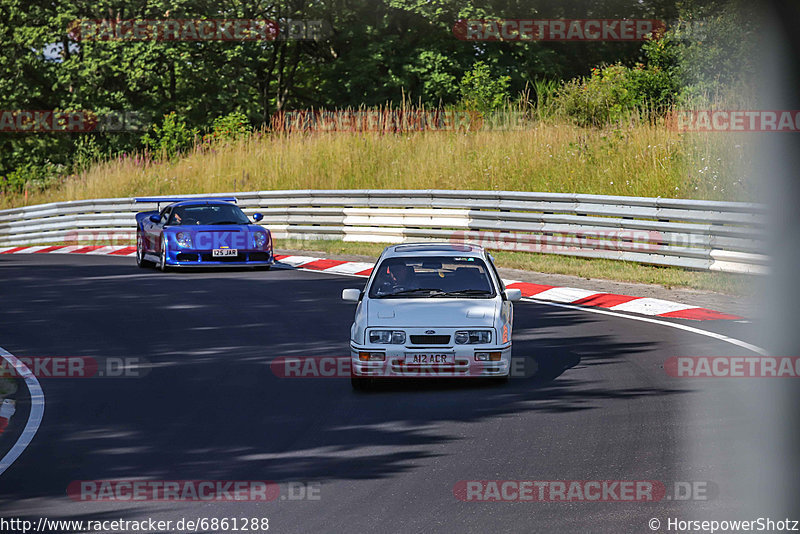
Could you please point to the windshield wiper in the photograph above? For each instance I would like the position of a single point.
(227, 222)
(430, 290)
(469, 292)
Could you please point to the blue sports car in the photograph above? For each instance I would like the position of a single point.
(200, 232)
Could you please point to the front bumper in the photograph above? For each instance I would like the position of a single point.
(394, 366)
(185, 257)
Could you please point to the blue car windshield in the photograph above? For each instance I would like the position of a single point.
(207, 214)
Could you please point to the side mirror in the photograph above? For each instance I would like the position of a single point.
(351, 295)
(257, 217)
(513, 294)
(154, 218)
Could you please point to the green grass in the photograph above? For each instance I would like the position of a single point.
(669, 277)
(634, 160)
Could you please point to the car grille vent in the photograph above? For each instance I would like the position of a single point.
(430, 340)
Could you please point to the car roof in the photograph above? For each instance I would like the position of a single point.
(433, 249)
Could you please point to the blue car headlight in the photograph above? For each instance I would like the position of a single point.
(259, 239)
(184, 239)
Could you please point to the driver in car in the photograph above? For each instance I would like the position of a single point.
(398, 277)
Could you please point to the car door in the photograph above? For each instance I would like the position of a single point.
(153, 231)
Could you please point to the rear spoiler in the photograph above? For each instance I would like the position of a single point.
(180, 199)
(170, 200)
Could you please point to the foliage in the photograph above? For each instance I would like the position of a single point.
(229, 127)
(614, 92)
(30, 177)
(170, 138)
(480, 91)
(378, 52)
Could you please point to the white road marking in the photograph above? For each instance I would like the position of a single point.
(31, 250)
(67, 249)
(720, 337)
(294, 261)
(651, 306)
(35, 417)
(565, 294)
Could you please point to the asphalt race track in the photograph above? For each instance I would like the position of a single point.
(599, 407)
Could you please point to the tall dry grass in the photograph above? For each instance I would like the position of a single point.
(635, 160)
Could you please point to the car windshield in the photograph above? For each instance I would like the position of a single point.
(432, 276)
(207, 214)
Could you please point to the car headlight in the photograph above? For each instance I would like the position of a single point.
(473, 337)
(387, 337)
(184, 239)
(259, 239)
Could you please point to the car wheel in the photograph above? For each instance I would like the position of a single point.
(263, 267)
(360, 383)
(162, 259)
(140, 261)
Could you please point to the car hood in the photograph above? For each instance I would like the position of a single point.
(216, 228)
(422, 312)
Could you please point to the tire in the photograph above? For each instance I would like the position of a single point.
(140, 261)
(263, 267)
(360, 383)
(162, 259)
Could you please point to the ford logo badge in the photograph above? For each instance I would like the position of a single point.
(430, 331)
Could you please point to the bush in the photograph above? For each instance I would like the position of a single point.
(480, 92)
(612, 93)
(170, 138)
(87, 153)
(32, 177)
(229, 127)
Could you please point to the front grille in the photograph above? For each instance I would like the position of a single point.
(210, 257)
(259, 256)
(430, 340)
(185, 256)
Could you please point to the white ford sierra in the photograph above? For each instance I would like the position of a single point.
(431, 310)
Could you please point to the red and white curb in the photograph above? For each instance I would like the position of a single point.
(564, 295)
(7, 409)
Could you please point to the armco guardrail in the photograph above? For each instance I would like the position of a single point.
(706, 235)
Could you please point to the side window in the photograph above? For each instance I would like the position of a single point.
(165, 214)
